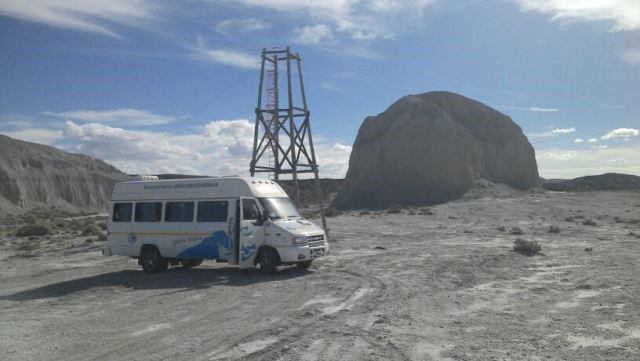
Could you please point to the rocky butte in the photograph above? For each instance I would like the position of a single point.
(430, 148)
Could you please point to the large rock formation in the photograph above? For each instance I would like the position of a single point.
(35, 175)
(429, 148)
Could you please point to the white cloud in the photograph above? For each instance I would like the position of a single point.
(125, 116)
(631, 57)
(592, 140)
(578, 140)
(558, 155)
(621, 133)
(88, 15)
(563, 130)
(220, 147)
(563, 163)
(359, 20)
(229, 57)
(618, 161)
(611, 107)
(241, 26)
(36, 135)
(312, 34)
(544, 110)
(552, 133)
(329, 85)
(624, 14)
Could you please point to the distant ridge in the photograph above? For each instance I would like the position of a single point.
(603, 182)
(39, 176)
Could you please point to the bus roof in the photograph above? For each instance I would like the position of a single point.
(196, 188)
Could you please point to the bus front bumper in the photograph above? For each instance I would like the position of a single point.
(295, 254)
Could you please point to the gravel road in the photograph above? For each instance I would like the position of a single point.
(425, 284)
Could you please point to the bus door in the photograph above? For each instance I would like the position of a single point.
(251, 234)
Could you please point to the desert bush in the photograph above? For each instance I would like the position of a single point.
(103, 226)
(364, 213)
(394, 210)
(525, 247)
(554, 229)
(427, 212)
(332, 212)
(35, 229)
(501, 229)
(412, 213)
(101, 238)
(91, 230)
(516, 231)
(589, 222)
(569, 219)
(29, 246)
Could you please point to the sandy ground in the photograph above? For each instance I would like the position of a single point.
(446, 286)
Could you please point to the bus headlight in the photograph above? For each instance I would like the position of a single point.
(299, 240)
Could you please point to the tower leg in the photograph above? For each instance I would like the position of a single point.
(321, 200)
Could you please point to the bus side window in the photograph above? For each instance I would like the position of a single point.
(148, 211)
(212, 211)
(250, 210)
(178, 212)
(121, 212)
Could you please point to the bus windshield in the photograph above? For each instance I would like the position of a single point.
(277, 208)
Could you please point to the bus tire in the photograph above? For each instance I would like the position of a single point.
(268, 260)
(190, 263)
(152, 261)
(304, 264)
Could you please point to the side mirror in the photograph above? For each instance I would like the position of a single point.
(260, 219)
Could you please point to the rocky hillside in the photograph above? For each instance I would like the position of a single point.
(430, 148)
(607, 181)
(38, 176)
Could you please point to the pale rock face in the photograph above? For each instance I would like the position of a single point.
(35, 175)
(429, 148)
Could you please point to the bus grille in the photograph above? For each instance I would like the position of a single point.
(315, 241)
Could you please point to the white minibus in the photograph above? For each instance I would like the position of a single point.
(246, 222)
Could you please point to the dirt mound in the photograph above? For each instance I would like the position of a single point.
(36, 176)
(607, 181)
(430, 148)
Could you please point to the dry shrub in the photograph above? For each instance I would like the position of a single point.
(427, 212)
(91, 230)
(554, 229)
(35, 229)
(394, 210)
(589, 222)
(528, 248)
(332, 212)
(516, 231)
(501, 229)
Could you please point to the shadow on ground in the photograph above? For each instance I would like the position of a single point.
(176, 279)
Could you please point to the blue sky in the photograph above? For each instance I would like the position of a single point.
(161, 86)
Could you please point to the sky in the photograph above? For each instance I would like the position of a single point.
(171, 87)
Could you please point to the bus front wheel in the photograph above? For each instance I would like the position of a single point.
(268, 261)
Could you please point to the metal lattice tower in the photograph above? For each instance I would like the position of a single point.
(284, 132)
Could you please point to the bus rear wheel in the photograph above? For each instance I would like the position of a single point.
(152, 261)
(190, 263)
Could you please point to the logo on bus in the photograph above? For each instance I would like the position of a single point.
(132, 238)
